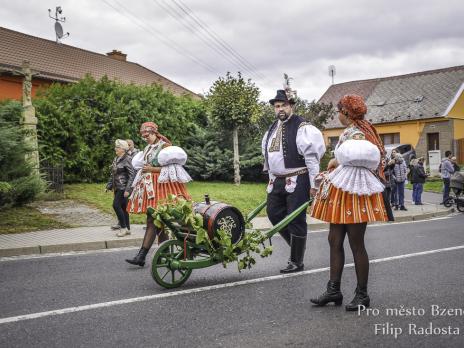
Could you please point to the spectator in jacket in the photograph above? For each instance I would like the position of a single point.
(418, 179)
(390, 185)
(390, 168)
(400, 170)
(446, 169)
(132, 150)
(122, 176)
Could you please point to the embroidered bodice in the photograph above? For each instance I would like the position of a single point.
(150, 153)
(350, 133)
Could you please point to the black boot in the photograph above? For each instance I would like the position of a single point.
(361, 298)
(286, 236)
(139, 259)
(297, 251)
(333, 294)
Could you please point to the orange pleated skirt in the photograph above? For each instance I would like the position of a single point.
(139, 205)
(340, 207)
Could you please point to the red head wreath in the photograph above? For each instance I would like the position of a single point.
(152, 128)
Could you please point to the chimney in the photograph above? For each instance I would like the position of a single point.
(118, 55)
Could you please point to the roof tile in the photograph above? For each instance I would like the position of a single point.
(67, 63)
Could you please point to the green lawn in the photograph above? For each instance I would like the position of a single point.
(431, 185)
(25, 219)
(244, 197)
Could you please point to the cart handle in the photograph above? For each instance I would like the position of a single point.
(255, 211)
(282, 224)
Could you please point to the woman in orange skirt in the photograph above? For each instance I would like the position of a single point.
(154, 183)
(350, 196)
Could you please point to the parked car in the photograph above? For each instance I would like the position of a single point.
(406, 150)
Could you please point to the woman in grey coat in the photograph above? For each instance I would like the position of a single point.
(400, 170)
(122, 176)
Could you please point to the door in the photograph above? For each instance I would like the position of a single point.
(433, 141)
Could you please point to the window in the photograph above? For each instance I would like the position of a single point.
(333, 142)
(390, 138)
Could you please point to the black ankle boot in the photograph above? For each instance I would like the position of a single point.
(297, 251)
(333, 294)
(361, 298)
(139, 259)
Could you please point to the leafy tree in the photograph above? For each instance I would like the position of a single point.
(232, 103)
(18, 182)
(316, 113)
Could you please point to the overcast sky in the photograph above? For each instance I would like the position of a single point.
(193, 42)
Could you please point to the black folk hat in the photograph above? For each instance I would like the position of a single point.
(282, 97)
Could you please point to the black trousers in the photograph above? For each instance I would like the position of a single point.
(119, 206)
(281, 203)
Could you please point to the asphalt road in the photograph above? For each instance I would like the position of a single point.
(215, 308)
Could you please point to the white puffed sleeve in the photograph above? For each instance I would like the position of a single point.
(171, 160)
(137, 161)
(311, 146)
(172, 155)
(357, 159)
(358, 153)
(173, 173)
(263, 151)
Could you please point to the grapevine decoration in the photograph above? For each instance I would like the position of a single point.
(180, 211)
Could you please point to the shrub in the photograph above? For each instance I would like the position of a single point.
(18, 183)
(79, 122)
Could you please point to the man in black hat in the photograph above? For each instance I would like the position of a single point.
(292, 149)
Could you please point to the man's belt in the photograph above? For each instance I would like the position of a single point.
(298, 172)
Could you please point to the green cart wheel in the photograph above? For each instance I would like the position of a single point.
(161, 270)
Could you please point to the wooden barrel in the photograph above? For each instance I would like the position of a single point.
(218, 216)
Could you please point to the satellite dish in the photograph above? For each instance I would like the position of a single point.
(58, 30)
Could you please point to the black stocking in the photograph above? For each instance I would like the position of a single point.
(337, 234)
(361, 259)
(150, 233)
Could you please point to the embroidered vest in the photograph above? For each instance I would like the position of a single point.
(292, 158)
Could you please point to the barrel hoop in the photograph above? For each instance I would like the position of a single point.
(211, 220)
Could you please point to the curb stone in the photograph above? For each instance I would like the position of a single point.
(136, 241)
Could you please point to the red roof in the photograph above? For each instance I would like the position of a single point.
(60, 62)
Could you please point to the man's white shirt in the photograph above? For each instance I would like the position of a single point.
(310, 144)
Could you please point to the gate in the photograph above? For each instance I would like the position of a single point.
(53, 175)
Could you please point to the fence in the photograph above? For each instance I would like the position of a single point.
(53, 175)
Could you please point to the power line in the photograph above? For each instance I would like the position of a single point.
(216, 37)
(160, 36)
(174, 13)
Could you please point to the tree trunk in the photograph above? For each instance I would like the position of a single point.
(236, 158)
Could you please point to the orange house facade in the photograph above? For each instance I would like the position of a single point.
(11, 87)
(423, 109)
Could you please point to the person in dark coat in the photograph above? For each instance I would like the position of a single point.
(418, 177)
(121, 178)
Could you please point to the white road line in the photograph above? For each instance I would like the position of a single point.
(205, 288)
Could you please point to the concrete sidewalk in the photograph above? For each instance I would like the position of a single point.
(101, 237)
